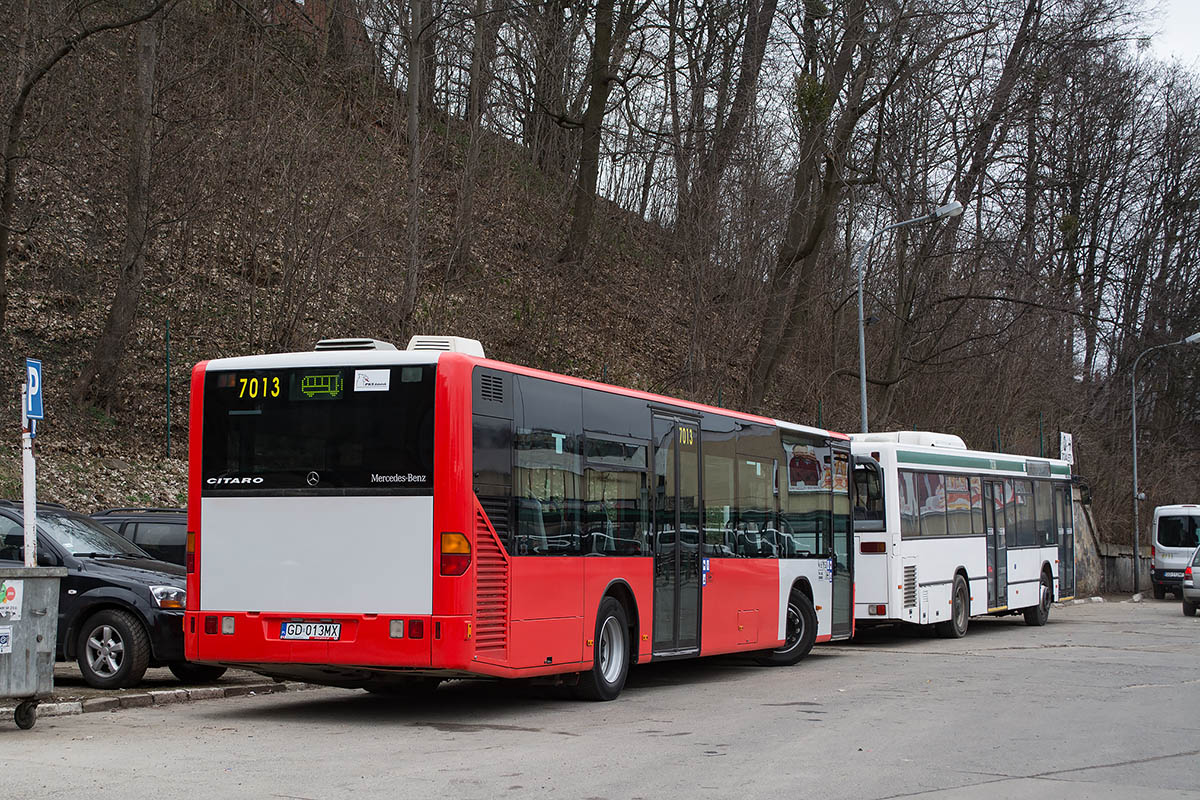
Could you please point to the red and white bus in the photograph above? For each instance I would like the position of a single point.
(367, 517)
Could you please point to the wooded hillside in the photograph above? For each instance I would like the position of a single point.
(667, 195)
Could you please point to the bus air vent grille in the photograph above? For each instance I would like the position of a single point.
(491, 592)
(910, 585)
(491, 388)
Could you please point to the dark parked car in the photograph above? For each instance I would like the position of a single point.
(161, 532)
(119, 610)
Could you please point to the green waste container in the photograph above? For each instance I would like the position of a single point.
(28, 627)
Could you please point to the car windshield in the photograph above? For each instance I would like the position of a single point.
(81, 536)
(1177, 531)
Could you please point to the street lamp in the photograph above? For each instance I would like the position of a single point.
(951, 209)
(1193, 339)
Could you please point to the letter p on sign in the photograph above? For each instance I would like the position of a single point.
(33, 391)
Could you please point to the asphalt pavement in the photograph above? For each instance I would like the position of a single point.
(1103, 702)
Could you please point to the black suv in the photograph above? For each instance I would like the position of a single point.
(161, 532)
(119, 610)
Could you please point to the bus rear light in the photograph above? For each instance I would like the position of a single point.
(227, 624)
(416, 629)
(456, 554)
(877, 611)
(210, 625)
(191, 552)
(396, 629)
(873, 547)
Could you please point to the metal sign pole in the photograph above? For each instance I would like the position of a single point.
(29, 472)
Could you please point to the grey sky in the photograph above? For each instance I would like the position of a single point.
(1179, 27)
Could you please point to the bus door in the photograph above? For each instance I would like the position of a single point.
(842, 613)
(997, 551)
(1066, 541)
(676, 536)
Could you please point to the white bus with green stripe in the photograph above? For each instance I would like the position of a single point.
(943, 533)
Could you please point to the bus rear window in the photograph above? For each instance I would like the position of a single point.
(319, 430)
(1178, 531)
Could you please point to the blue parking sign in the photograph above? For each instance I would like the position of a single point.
(33, 390)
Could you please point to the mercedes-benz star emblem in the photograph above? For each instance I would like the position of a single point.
(313, 479)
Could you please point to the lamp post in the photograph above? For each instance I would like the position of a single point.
(1193, 339)
(951, 209)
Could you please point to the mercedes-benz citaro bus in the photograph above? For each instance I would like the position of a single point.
(361, 516)
(943, 533)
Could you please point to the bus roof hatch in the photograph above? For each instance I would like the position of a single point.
(353, 344)
(450, 344)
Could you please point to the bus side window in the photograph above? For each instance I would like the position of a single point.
(868, 494)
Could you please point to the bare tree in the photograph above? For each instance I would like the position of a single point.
(602, 73)
(38, 55)
(100, 380)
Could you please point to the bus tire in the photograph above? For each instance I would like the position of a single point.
(188, 672)
(800, 632)
(1038, 614)
(610, 665)
(960, 611)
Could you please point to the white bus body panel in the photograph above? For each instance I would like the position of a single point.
(1025, 574)
(938, 560)
(817, 573)
(329, 555)
(871, 573)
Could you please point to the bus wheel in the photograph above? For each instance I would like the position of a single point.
(960, 612)
(801, 632)
(610, 666)
(1037, 615)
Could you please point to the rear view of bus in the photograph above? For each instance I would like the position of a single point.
(310, 514)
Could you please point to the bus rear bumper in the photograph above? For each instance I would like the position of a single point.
(255, 639)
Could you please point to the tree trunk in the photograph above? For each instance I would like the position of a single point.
(428, 57)
(483, 49)
(99, 382)
(26, 83)
(815, 193)
(544, 136)
(412, 274)
(600, 77)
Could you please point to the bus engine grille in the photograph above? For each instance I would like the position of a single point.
(491, 592)
(910, 585)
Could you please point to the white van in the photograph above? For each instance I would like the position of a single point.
(1175, 539)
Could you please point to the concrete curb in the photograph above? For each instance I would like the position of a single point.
(1078, 601)
(159, 697)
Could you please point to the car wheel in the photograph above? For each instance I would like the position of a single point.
(113, 650)
(800, 632)
(1160, 591)
(1037, 615)
(1189, 609)
(610, 667)
(195, 673)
